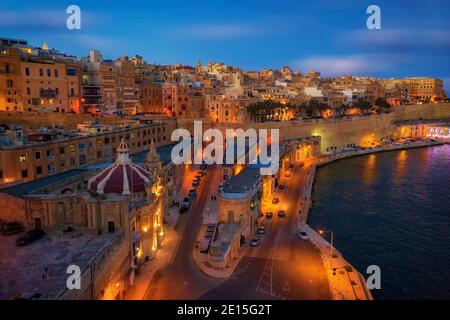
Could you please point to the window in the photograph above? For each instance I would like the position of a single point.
(72, 161)
(9, 83)
(28, 91)
(49, 73)
(56, 73)
(39, 170)
(27, 71)
(1, 174)
(24, 174)
(61, 150)
(81, 146)
(51, 168)
(23, 157)
(37, 155)
(41, 72)
(61, 164)
(111, 227)
(72, 148)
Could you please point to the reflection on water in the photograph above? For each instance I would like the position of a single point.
(400, 163)
(369, 173)
(391, 210)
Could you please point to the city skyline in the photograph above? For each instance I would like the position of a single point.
(332, 39)
(252, 152)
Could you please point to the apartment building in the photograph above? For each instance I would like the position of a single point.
(220, 108)
(49, 152)
(151, 97)
(176, 99)
(11, 98)
(127, 90)
(425, 89)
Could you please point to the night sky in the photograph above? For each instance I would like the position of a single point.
(328, 36)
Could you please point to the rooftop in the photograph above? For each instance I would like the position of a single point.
(39, 186)
(242, 182)
(23, 269)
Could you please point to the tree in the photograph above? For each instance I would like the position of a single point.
(364, 105)
(381, 102)
(312, 108)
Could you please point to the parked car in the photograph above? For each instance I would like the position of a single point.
(255, 242)
(11, 228)
(30, 236)
(302, 235)
(195, 183)
(183, 209)
(269, 215)
(262, 230)
(198, 177)
(192, 193)
(275, 201)
(186, 202)
(281, 214)
(281, 186)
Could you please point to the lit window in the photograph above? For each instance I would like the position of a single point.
(23, 157)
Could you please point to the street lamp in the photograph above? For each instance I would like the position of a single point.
(322, 232)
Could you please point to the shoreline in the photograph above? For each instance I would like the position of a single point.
(350, 284)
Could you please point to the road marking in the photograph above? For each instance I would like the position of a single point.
(267, 273)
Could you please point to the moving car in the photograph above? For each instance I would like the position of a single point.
(275, 200)
(255, 242)
(269, 215)
(192, 193)
(287, 174)
(302, 235)
(261, 230)
(281, 214)
(11, 228)
(30, 236)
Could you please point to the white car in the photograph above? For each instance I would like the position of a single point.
(302, 235)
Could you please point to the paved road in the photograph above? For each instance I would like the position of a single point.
(182, 279)
(283, 267)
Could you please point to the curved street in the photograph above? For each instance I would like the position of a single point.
(282, 267)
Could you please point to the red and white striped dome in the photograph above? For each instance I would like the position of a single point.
(123, 177)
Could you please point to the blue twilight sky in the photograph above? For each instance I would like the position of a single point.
(328, 36)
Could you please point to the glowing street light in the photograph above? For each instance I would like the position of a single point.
(322, 232)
